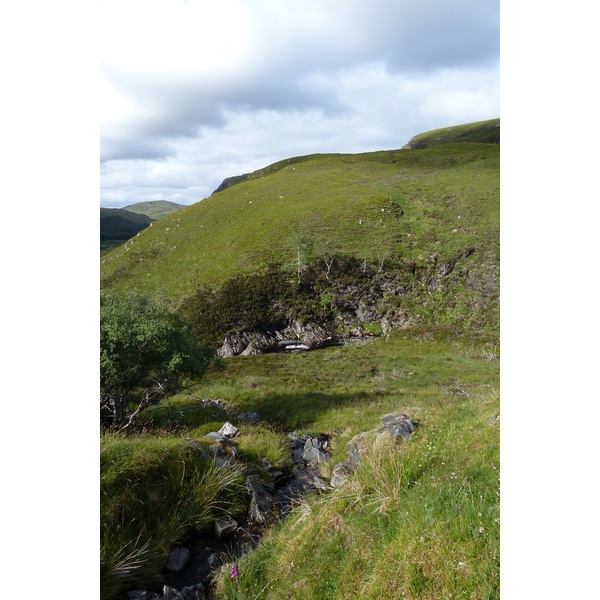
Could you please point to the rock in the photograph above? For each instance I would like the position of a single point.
(320, 484)
(225, 527)
(494, 419)
(170, 593)
(314, 455)
(229, 430)
(193, 592)
(217, 450)
(213, 559)
(398, 425)
(216, 437)
(261, 502)
(341, 472)
(178, 560)
(142, 595)
(249, 417)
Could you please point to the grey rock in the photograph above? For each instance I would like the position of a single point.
(494, 419)
(314, 455)
(261, 502)
(178, 560)
(216, 437)
(170, 593)
(217, 450)
(340, 474)
(229, 430)
(193, 592)
(225, 527)
(320, 484)
(398, 425)
(213, 559)
(249, 417)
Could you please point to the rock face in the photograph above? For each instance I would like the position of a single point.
(260, 341)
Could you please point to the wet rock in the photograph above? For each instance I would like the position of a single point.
(225, 527)
(178, 560)
(261, 502)
(229, 430)
(398, 425)
(193, 592)
(170, 593)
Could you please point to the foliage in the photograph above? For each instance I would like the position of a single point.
(146, 347)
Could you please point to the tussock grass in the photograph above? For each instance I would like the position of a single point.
(153, 488)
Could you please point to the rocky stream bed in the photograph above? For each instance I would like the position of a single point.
(192, 564)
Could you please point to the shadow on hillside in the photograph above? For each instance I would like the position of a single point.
(301, 410)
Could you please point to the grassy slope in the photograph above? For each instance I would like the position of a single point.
(155, 209)
(420, 521)
(247, 226)
(486, 132)
(410, 522)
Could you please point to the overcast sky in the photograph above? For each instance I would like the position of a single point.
(193, 92)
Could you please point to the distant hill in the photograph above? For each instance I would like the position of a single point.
(117, 225)
(155, 209)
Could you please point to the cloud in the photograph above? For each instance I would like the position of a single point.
(198, 82)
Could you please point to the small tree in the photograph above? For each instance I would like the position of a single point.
(145, 349)
(302, 246)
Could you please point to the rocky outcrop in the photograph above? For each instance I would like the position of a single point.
(261, 341)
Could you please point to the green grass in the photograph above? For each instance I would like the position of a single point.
(153, 488)
(360, 204)
(487, 132)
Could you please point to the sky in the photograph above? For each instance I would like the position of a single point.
(194, 92)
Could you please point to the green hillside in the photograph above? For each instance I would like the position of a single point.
(412, 200)
(485, 132)
(155, 209)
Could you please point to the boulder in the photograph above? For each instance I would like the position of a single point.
(193, 592)
(229, 430)
(225, 527)
(261, 502)
(314, 455)
(398, 425)
(178, 560)
(249, 417)
(216, 437)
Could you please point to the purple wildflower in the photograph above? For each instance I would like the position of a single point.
(234, 571)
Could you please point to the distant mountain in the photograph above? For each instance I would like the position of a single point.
(155, 209)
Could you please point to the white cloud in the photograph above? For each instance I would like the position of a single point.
(216, 89)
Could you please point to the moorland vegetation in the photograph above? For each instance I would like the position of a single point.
(396, 250)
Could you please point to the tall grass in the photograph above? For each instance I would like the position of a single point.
(152, 490)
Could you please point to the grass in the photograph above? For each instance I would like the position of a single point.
(153, 489)
(406, 202)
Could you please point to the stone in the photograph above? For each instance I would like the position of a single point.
(193, 592)
(340, 474)
(398, 425)
(225, 527)
(261, 502)
(314, 455)
(170, 593)
(249, 417)
(229, 430)
(216, 437)
(178, 560)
